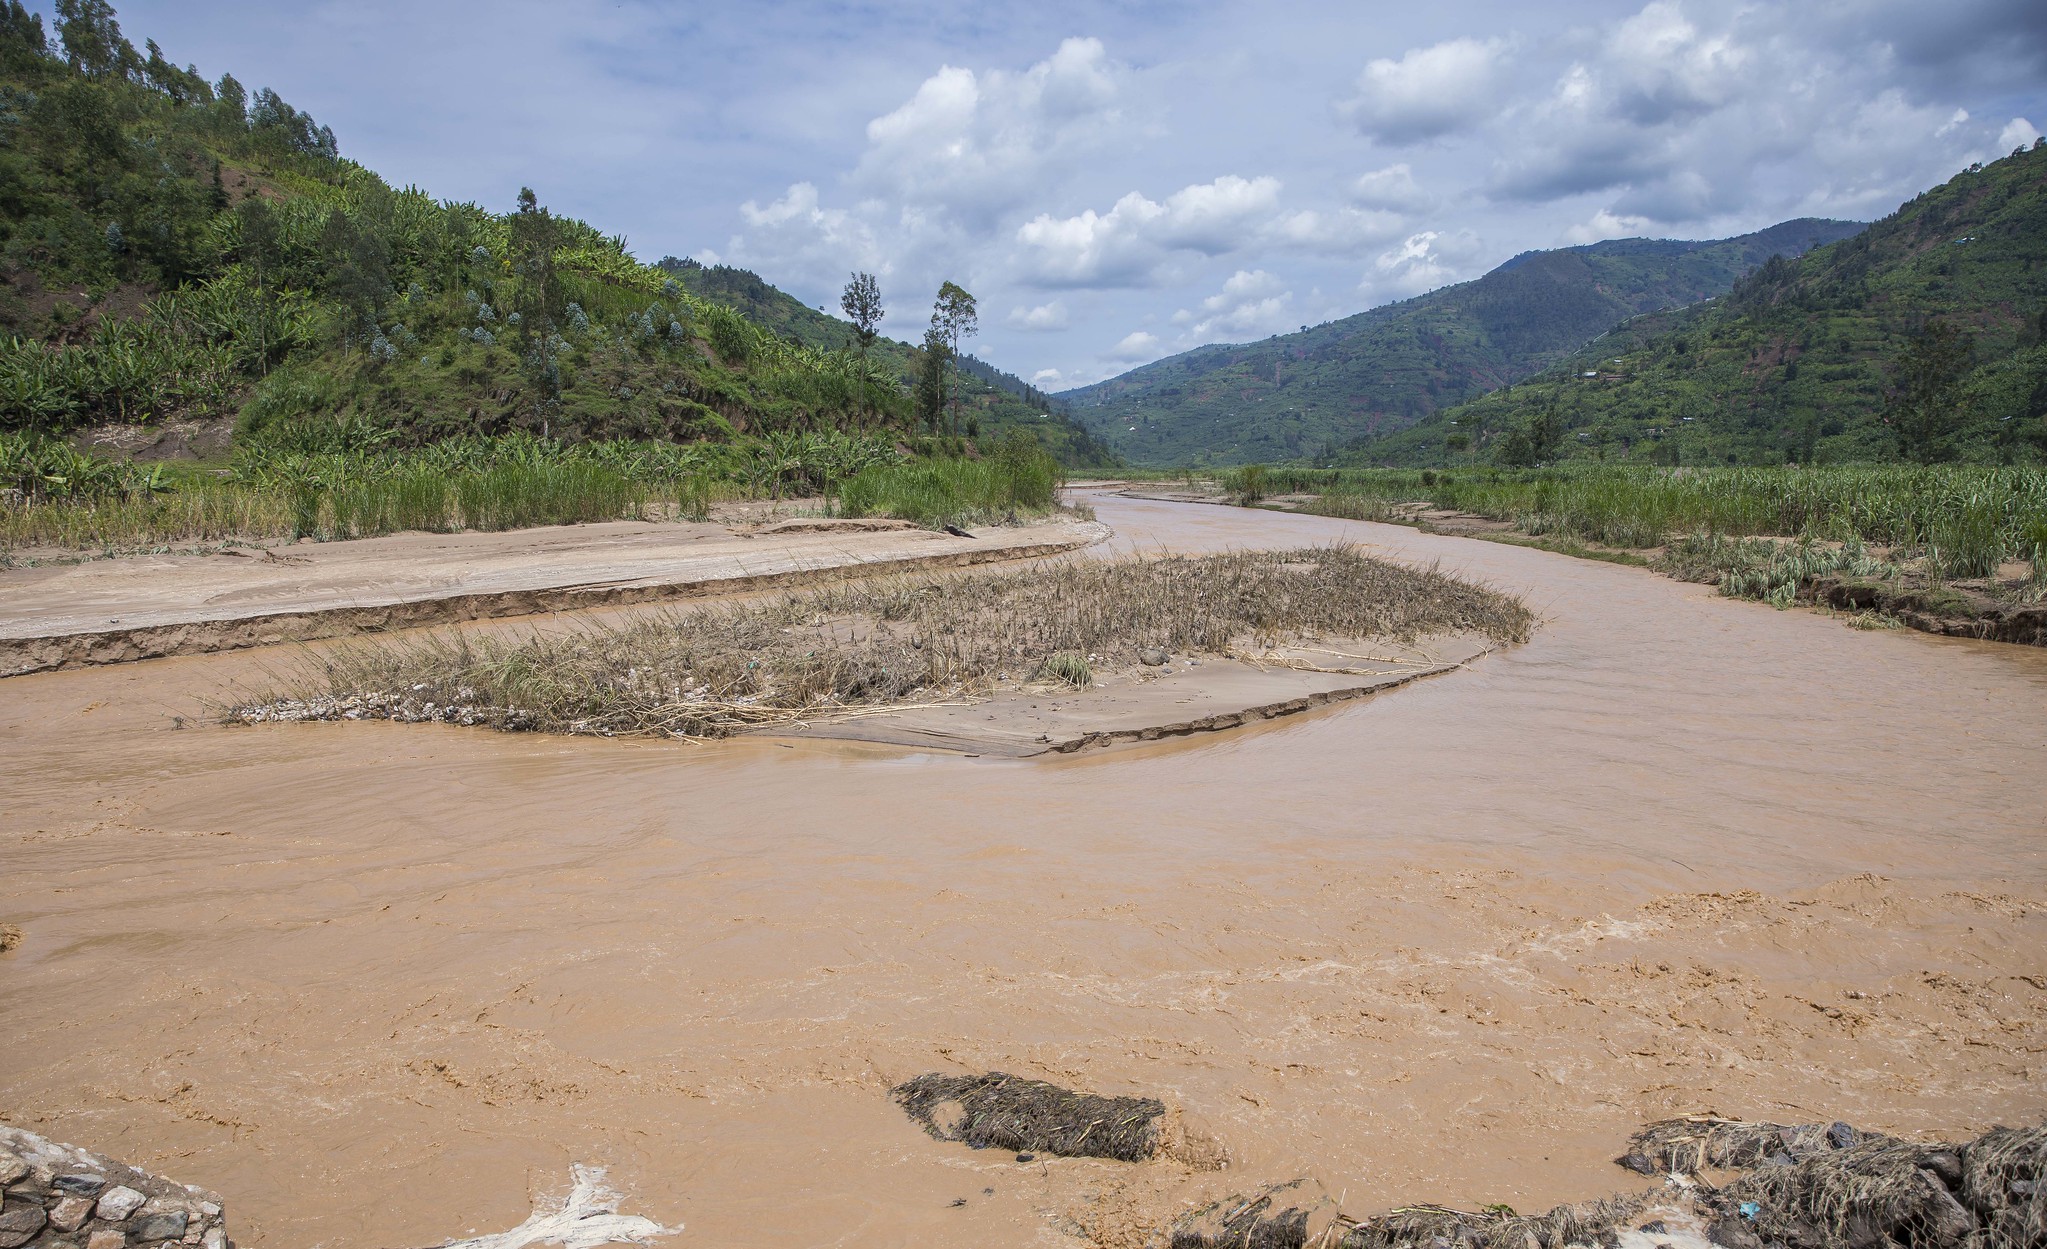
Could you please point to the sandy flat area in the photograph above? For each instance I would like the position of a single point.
(103, 611)
(1178, 699)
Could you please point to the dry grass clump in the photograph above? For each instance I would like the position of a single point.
(1008, 1112)
(10, 936)
(1698, 1144)
(1271, 1220)
(1583, 1223)
(841, 649)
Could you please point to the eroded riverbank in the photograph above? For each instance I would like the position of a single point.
(1677, 853)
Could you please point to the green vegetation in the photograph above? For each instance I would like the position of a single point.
(1019, 480)
(225, 250)
(806, 655)
(1995, 513)
(992, 402)
(351, 479)
(1302, 395)
(1922, 338)
(174, 248)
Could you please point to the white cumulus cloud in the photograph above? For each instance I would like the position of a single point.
(1251, 304)
(1051, 316)
(1136, 347)
(1426, 93)
(1129, 244)
(1392, 189)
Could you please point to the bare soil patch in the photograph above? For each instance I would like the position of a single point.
(111, 611)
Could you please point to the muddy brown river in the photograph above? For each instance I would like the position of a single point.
(381, 985)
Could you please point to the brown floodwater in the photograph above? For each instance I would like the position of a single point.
(381, 984)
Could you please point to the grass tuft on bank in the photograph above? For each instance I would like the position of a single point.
(722, 669)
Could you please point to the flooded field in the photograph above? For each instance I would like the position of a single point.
(381, 985)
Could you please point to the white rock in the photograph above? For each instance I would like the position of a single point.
(118, 1202)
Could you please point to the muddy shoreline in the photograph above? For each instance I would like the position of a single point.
(1944, 611)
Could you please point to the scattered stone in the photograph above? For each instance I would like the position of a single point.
(1734, 1233)
(1639, 1163)
(1654, 1227)
(65, 1197)
(1152, 657)
(1839, 1134)
(1946, 1164)
(19, 1221)
(159, 1227)
(1026, 1157)
(12, 1167)
(68, 1213)
(10, 937)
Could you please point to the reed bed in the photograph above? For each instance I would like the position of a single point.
(1971, 517)
(843, 649)
(342, 479)
(937, 493)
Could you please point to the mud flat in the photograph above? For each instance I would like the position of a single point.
(381, 984)
(1178, 699)
(111, 611)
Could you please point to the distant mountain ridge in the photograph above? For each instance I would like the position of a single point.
(1799, 359)
(1294, 395)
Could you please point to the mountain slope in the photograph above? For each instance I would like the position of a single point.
(995, 401)
(172, 247)
(1387, 368)
(1799, 360)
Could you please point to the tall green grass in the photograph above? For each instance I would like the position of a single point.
(1964, 519)
(936, 493)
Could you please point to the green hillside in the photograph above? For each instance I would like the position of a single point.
(173, 247)
(1297, 395)
(1802, 360)
(995, 401)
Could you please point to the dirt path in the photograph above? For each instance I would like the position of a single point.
(112, 611)
(381, 984)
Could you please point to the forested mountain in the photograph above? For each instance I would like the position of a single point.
(994, 400)
(175, 247)
(1920, 337)
(1298, 394)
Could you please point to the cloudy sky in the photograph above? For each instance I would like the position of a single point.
(1120, 180)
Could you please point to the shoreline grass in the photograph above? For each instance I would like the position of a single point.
(335, 482)
(717, 670)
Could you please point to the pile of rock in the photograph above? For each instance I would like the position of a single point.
(64, 1197)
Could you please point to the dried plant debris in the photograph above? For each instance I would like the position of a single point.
(1289, 1217)
(1274, 1219)
(1881, 1191)
(1805, 1186)
(850, 647)
(1700, 1143)
(1000, 1111)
